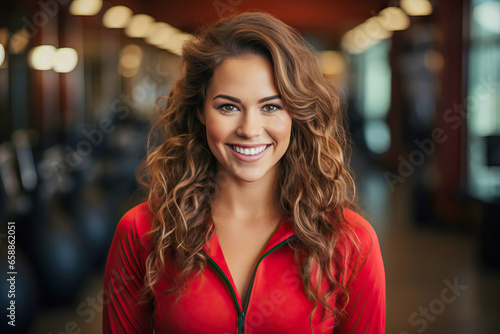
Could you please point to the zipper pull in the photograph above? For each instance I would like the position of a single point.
(242, 318)
(241, 323)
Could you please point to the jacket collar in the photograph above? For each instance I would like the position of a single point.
(213, 250)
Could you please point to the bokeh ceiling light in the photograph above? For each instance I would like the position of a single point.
(348, 45)
(139, 26)
(332, 62)
(393, 19)
(416, 7)
(487, 15)
(130, 60)
(374, 29)
(117, 17)
(160, 33)
(19, 41)
(350, 48)
(4, 36)
(42, 57)
(356, 41)
(85, 7)
(131, 57)
(175, 42)
(2, 54)
(65, 60)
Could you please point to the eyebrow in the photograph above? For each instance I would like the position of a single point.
(234, 99)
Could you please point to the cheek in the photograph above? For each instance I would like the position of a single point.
(282, 127)
(217, 130)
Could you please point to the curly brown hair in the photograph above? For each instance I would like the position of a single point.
(180, 172)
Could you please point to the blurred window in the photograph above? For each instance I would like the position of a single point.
(483, 99)
(373, 94)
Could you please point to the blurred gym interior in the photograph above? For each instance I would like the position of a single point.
(420, 80)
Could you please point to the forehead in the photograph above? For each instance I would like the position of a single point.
(253, 73)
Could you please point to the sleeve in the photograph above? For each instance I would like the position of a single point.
(124, 279)
(367, 300)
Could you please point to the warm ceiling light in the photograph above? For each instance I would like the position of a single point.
(85, 7)
(139, 26)
(130, 60)
(487, 15)
(356, 41)
(374, 29)
(160, 33)
(4, 36)
(393, 19)
(65, 60)
(332, 62)
(349, 48)
(19, 41)
(42, 57)
(348, 44)
(175, 42)
(117, 17)
(130, 56)
(2, 54)
(416, 7)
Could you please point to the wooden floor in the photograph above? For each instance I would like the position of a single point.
(422, 263)
(434, 281)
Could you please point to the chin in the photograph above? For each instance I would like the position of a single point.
(249, 176)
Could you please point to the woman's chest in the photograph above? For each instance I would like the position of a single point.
(241, 252)
(276, 302)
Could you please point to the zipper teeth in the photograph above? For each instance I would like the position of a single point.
(227, 281)
(249, 291)
(238, 310)
(242, 312)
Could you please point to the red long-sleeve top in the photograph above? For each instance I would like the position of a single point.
(276, 302)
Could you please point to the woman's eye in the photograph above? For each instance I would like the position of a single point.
(227, 108)
(271, 108)
(230, 108)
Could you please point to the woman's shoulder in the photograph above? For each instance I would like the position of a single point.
(366, 274)
(362, 231)
(136, 222)
(131, 244)
(363, 227)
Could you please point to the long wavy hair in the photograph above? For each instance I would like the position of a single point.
(180, 172)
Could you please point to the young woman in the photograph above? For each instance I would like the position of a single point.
(249, 224)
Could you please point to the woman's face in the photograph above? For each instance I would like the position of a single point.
(248, 128)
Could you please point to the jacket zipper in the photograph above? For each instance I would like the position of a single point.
(242, 312)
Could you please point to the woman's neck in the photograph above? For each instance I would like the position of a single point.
(247, 202)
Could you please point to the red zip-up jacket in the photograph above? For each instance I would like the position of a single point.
(275, 303)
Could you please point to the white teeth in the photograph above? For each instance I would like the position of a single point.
(251, 151)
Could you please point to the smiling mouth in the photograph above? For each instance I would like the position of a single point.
(249, 151)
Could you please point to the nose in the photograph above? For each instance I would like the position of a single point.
(250, 125)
